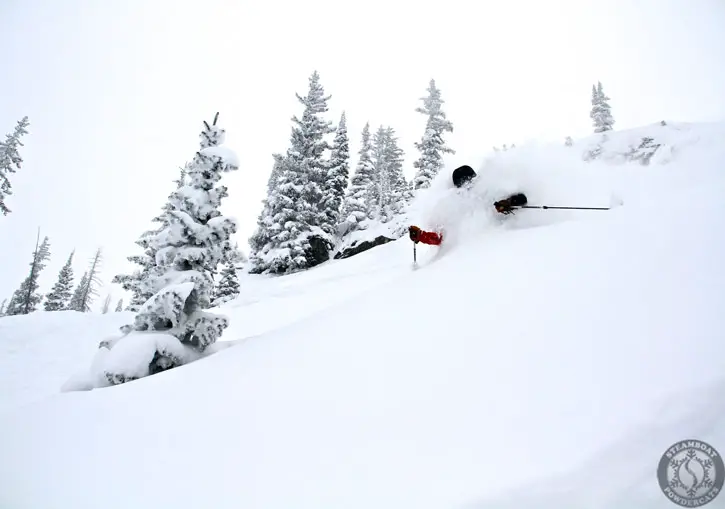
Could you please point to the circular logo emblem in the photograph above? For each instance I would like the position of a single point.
(691, 473)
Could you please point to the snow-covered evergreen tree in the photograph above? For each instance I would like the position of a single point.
(569, 141)
(3, 307)
(230, 254)
(432, 146)
(357, 205)
(163, 218)
(228, 287)
(337, 178)
(644, 152)
(59, 297)
(132, 282)
(147, 259)
(119, 306)
(234, 255)
(10, 161)
(307, 153)
(390, 191)
(379, 189)
(188, 251)
(601, 112)
(265, 221)
(401, 191)
(26, 298)
(86, 290)
(76, 301)
(289, 236)
(277, 170)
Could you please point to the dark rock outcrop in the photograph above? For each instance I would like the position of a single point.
(319, 251)
(360, 247)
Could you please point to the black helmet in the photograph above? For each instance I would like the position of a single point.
(463, 174)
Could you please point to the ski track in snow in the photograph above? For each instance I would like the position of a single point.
(542, 362)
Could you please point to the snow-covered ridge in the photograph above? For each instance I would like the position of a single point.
(545, 360)
(654, 144)
(663, 142)
(658, 144)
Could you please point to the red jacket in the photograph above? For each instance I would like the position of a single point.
(430, 238)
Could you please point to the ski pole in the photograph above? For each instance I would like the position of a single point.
(568, 208)
(415, 258)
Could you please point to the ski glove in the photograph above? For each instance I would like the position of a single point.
(507, 206)
(504, 207)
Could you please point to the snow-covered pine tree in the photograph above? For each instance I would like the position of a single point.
(357, 205)
(263, 233)
(119, 306)
(291, 236)
(188, 251)
(431, 146)
(230, 254)
(163, 218)
(309, 145)
(337, 178)
(310, 133)
(379, 189)
(228, 287)
(131, 282)
(601, 113)
(277, 170)
(147, 260)
(26, 298)
(86, 290)
(234, 255)
(401, 191)
(3, 306)
(568, 141)
(76, 301)
(390, 191)
(59, 297)
(10, 161)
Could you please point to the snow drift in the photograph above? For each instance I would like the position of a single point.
(546, 360)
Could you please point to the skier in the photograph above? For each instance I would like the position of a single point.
(462, 177)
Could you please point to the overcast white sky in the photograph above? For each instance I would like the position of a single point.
(116, 92)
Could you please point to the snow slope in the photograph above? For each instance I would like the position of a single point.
(544, 361)
(39, 352)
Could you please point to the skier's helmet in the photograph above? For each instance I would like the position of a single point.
(462, 175)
